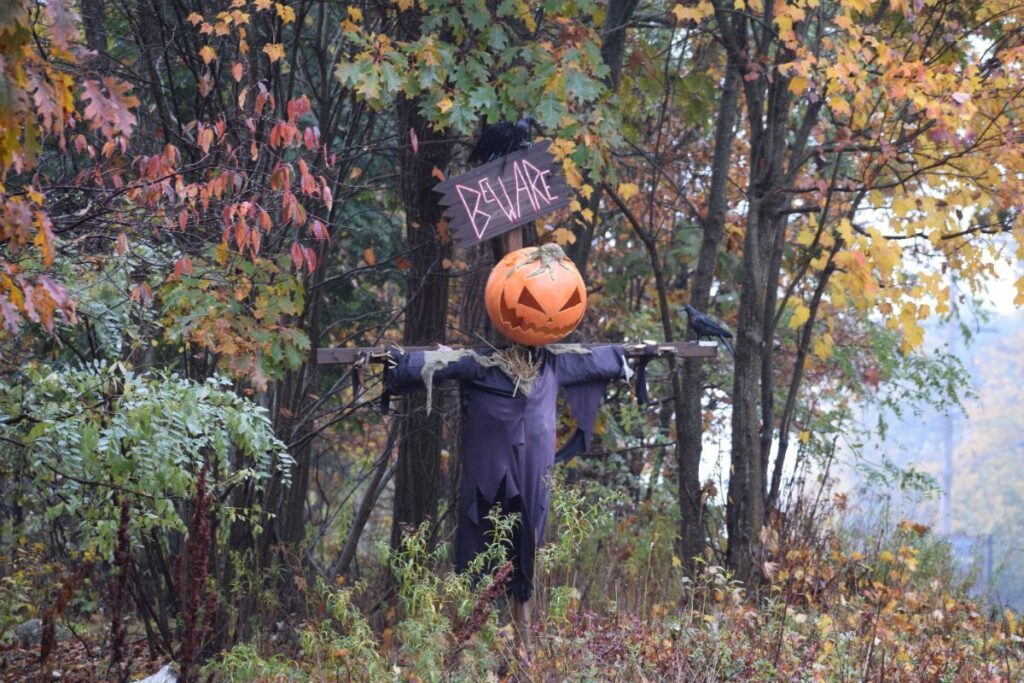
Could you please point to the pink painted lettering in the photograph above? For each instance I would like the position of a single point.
(475, 211)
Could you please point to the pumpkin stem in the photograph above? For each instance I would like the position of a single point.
(548, 255)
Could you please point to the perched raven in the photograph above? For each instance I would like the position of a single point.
(501, 138)
(704, 325)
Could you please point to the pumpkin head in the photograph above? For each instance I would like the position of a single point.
(535, 295)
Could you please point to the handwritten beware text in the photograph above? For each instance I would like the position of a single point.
(503, 194)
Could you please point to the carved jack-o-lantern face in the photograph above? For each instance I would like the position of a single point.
(535, 296)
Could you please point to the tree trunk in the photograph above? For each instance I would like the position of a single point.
(612, 49)
(93, 14)
(690, 419)
(419, 455)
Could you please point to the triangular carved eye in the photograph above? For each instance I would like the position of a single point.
(574, 300)
(528, 300)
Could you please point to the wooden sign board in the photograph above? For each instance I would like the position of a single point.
(503, 194)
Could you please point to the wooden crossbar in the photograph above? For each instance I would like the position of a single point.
(376, 354)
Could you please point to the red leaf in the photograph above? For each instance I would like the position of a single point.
(319, 231)
(297, 255)
(183, 266)
(10, 315)
(56, 291)
(311, 136)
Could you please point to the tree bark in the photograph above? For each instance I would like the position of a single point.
(93, 14)
(612, 49)
(417, 476)
(690, 420)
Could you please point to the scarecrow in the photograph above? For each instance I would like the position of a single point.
(535, 297)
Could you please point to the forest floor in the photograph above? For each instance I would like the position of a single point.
(74, 661)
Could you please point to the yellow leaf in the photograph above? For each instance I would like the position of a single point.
(800, 315)
(825, 623)
(572, 174)
(208, 54)
(274, 51)
(628, 190)
(845, 230)
(823, 346)
(563, 236)
(805, 237)
(804, 436)
(676, 562)
(445, 105)
(286, 13)
(798, 84)
(355, 13)
(562, 148)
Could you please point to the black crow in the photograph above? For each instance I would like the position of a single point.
(704, 325)
(501, 138)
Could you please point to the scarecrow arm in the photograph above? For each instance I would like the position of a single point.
(377, 354)
(583, 378)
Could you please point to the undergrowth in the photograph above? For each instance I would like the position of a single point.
(612, 603)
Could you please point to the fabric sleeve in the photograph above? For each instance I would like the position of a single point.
(583, 378)
(599, 364)
(406, 370)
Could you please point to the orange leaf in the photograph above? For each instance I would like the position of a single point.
(370, 257)
(438, 173)
(274, 51)
(208, 54)
(236, 71)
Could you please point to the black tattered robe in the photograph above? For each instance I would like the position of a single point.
(508, 440)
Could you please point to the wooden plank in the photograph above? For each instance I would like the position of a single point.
(503, 194)
(376, 354)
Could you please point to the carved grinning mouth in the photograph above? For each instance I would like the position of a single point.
(509, 317)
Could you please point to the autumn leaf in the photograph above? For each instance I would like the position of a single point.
(444, 105)
(284, 12)
(798, 85)
(236, 71)
(800, 315)
(437, 173)
(297, 255)
(110, 106)
(563, 236)
(628, 190)
(274, 51)
(369, 257)
(207, 54)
